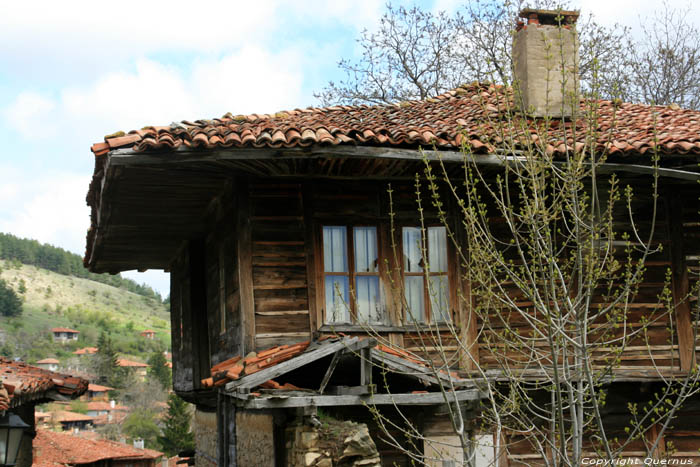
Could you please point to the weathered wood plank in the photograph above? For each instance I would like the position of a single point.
(350, 344)
(430, 398)
(245, 267)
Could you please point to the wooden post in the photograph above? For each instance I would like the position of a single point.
(245, 266)
(684, 327)
(198, 309)
(312, 258)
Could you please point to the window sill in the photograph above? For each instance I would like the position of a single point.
(381, 328)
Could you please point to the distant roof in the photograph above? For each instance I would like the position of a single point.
(52, 449)
(86, 350)
(101, 405)
(130, 363)
(48, 360)
(22, 383)
(98, 388)
(65, 330)
(68, 416)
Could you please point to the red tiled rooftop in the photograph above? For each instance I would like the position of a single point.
(68, 416)
(22, 383)
(49, 361)
(51, 448)
(130, 363)
(65, 330)
(475, 112)
(86, 350)
(100, 405)
(98, 388)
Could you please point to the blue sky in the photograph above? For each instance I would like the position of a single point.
(74, 71)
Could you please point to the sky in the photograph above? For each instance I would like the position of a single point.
(72, 72)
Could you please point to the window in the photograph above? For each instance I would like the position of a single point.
(351, 274)
(426, 287)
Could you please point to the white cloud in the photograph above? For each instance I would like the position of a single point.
(26, 112)
(50, 208)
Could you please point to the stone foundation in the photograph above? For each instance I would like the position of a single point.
(332, 444)
(205, 437)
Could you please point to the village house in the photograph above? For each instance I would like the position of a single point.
(298, 280)
(138, 368)
(64, 335)
(97, 392)
(24, 387)
(85, 351)
(52, 449)
(71, 421)
(148, 334)
(50, 364)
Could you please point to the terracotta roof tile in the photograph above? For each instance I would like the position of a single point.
(51, 448)
(65, 330)
(22, 383)
(48, 361)
(98, 388)
(476, 110)
(123, 362)
(86, 351)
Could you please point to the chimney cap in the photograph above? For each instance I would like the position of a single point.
(551, 17)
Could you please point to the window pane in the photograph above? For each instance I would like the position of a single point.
(367, 295)
(337, 299)
(415, 299)
(439, 290)
(437, 249)
(365, 249)
(412, 249)
(335, 255)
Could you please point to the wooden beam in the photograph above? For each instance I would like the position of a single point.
(351, 344)
(684, 325)
(198, 309)
(288, 401)
(245, 266)
(329, 372)
(422, 373)
(183, 154)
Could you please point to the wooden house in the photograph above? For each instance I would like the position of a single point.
(50, 364)
(64, 335)
(289, 237)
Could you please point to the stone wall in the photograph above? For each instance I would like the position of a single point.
(206, 438)
(255, 443)
(331, 444)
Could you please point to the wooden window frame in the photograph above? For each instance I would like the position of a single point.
(451, 273)
(351, 273)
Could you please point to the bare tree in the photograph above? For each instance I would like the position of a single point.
(415, 54)
(665, 63)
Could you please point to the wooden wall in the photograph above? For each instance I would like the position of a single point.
(266, 232)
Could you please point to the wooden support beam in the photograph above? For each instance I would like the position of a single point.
(329, 372)
(351, 344)
(352, 390)
(684, 326)
(365, 367)
(287, 401)
(245, 266)
(422, 373)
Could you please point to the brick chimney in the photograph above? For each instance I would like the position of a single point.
(545, 60)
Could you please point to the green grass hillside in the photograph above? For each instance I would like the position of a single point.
(56, 300)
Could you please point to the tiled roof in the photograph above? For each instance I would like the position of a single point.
(98, 388)
(68, 416)
(474, 114)
(48, 361)
(65, 330)
(130, 363)
(85, 351)
(237, 367)
(24, 383)
(51, 449)
(100, 405)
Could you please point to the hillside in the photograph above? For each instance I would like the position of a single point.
(56, 300)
